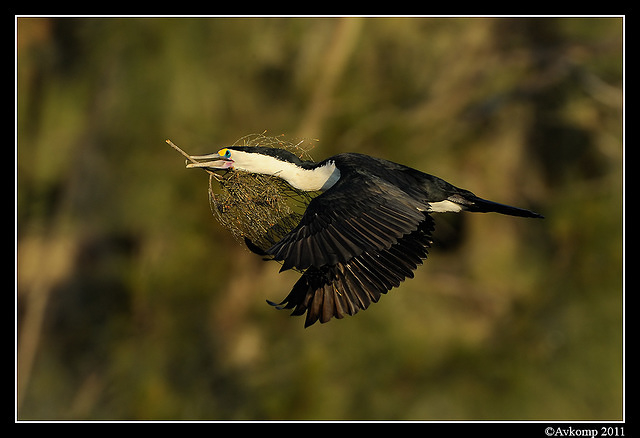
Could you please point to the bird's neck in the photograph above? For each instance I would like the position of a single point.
(319, 178)
(306, 178)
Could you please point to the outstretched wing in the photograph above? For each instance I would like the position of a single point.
(346, 287)
(352, 246)
(343, 223)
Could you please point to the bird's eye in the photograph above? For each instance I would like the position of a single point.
(225, 153)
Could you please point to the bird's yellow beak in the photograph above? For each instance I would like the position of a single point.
(219, 161)
(211, 161)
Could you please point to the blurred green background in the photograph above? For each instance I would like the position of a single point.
(134, 304)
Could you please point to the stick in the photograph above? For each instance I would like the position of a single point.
(188, 157)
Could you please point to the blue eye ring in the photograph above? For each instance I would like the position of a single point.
(225, 153)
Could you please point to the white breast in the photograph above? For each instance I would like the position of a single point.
(318, 179)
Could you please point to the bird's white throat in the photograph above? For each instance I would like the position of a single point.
(318, 179)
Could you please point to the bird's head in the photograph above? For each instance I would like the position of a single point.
(247, 158)
(221, 160)
(302, 175)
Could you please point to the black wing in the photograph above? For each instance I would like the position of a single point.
(357, 215)
(345, 288)
(355, 242)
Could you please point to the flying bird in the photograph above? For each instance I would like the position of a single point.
(365, 230)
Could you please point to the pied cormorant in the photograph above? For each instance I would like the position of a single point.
(367, 230)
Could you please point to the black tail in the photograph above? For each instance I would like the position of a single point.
(479, 205)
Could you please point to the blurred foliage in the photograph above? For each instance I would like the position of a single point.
(133, 303)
